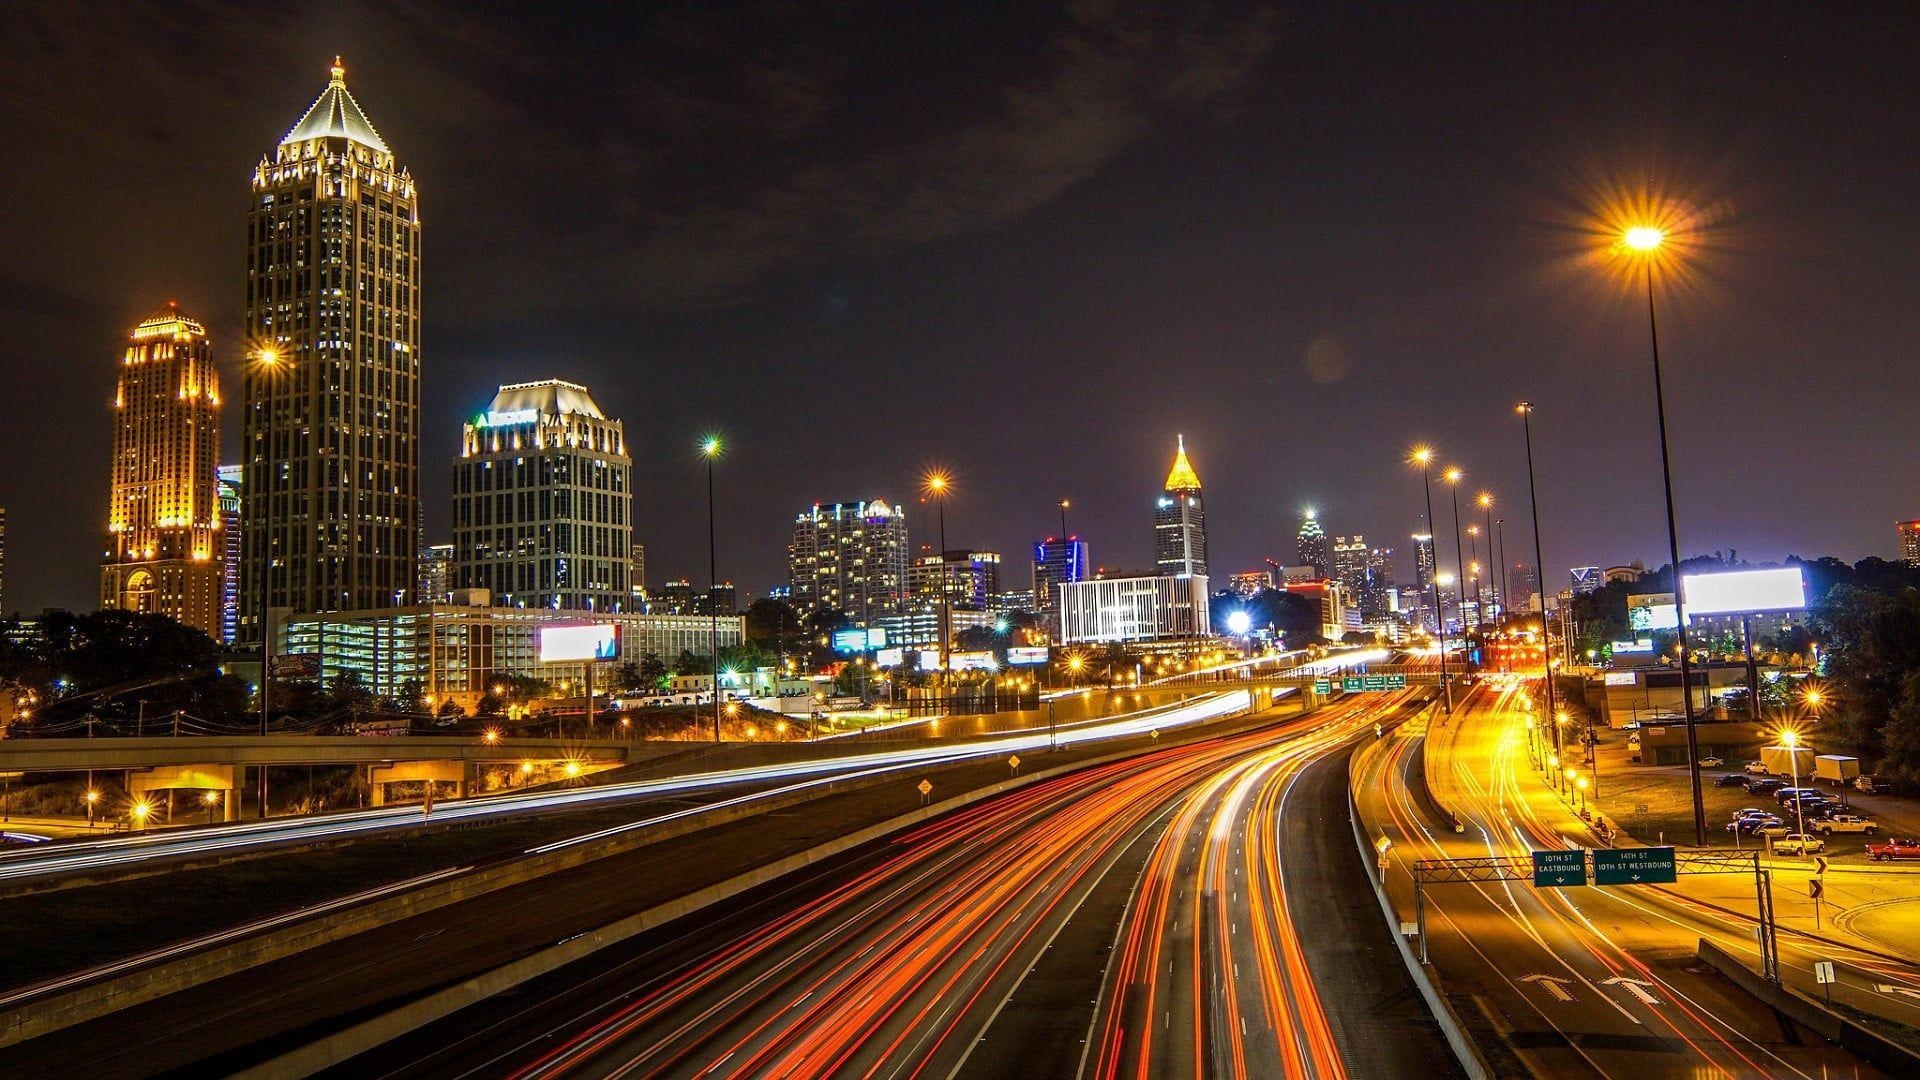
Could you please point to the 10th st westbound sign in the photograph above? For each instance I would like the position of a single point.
(1611, 866)
(1358, 684)
(1633, 866)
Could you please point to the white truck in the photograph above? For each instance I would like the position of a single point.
(1836, 769)
(1847, 823)
(1788, 761)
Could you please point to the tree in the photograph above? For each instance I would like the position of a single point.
(1872, 649)
(653, 672)
(776, 626)
(692, 663)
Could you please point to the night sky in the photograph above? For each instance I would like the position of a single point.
(1032, 245)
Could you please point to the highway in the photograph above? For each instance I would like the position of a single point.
(1584, 981)
(981, 943)
(132, 850)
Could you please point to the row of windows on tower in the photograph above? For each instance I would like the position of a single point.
(542, 471)
(506, 507)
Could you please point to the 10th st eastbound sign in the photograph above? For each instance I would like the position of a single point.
(1611, 866)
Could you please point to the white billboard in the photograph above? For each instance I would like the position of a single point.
(595, 641)
(1738, 592)
(1652, 611)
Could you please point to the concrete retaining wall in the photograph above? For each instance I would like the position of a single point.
(1465, 1051)
(1869, 1046)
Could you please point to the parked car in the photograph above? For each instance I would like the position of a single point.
(1732, 780)
(1764, 785)
(1863, 783)
(1847, 823)
(1711, 762)
(1775, 829)
(1897, 848)
(1751, 811)
(1788, 794)
(1798, 844)
(1751, 825)
(1757, 768)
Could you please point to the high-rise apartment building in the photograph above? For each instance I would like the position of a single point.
(332, 424)
(849, 557)
(637, 575)
(1057, 562)
(231, 550)
(1909, 541)
(163, 504)
(436, 573)
(680, 598)
(971, 579)
(1180, 521)
(1310, 546)
(543, 501)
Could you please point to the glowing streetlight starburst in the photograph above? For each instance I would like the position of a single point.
(1421, 455)
(712, 446)
(936, 483)
(1645, 238)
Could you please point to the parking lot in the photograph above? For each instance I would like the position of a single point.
(1653, 802)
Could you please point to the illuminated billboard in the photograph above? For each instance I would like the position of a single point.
(887, 658)
(1026, 655)
(1739, 592)
(970, 661)
(596, 641)
(1652, 611)
(853, 641)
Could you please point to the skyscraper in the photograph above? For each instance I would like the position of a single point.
(543, 501)
(849, 557)
(1909, 541)
(1057, 561)
(1311, 546)
(971, 579)
(436, 573)
(332, 424)
(1180, 521)
(1423, 560)
(163, 506)
(230, 551)
(1377, 601)
(1350, 564)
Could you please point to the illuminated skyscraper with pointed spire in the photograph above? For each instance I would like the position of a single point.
(164, 532)
(331, 430)
(1180, 521)
(1310, 546)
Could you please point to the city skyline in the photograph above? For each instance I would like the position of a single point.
(1361, 356)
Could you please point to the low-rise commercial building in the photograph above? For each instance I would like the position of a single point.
(1144, 608)
(455, 652)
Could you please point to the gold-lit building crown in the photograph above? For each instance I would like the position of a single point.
(1182, 477)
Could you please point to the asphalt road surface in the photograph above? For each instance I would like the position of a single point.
(1024, 936)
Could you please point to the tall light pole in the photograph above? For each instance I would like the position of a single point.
(1064, 503)
(1423, 457)
(711, 448)
(1473, 569)
(1453, 476)
(1505, 587)
(267, 362)
(935, 486)
(1485, 501)
(1525, 409)
(1645, 242)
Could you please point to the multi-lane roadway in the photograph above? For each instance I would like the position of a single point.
(1132, 919)
(1584, 981)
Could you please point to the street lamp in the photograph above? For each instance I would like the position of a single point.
(1453, 476)
(267, 364)
(1423, 457)
(1644, 241)
(1581, 783)
(711, 448)
(1485, 501)
(1790, 739)
(935, 486)
(93, 800)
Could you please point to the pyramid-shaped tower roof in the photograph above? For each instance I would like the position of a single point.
(335, 115)
(1182, 477)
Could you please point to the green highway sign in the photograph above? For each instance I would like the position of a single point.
(1356, 684)
(1633, 866)
(1323, 687)
(1553, 869)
